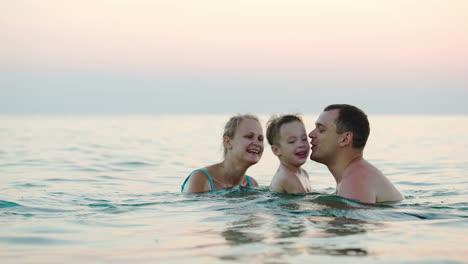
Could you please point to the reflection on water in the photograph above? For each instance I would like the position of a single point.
(343, 226)
(289, 229)
(338, 252)
(242, 231)
(280, 227)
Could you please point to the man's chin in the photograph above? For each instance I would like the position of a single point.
(314, 158)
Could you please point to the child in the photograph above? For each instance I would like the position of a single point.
(288, 139)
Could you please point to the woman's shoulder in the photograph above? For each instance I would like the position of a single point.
(198, 180)
(252, 181)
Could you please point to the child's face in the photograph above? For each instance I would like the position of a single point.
(293, 143)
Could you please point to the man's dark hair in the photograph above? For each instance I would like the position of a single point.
(352, 119)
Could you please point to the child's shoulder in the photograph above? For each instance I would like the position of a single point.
(279, 176)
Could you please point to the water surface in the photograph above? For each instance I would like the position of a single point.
(105, 189)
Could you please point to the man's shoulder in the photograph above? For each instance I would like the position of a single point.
(364, 182)
(363, 170)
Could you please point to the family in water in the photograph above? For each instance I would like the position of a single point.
(337, 141)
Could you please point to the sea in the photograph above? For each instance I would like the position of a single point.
(106, 189)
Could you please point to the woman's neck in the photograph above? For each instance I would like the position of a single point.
(233, 173)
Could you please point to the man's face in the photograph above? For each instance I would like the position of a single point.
(325, 141)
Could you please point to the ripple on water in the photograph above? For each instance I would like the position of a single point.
(107, 177)
(325, 205)
(34, 240)
(30, 185)
(6, 204)
(131, 164)
(69, 180)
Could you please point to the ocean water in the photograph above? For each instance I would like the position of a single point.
(106, 189)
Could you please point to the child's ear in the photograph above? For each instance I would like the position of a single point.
(275, 150)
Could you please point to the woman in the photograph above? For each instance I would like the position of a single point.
(243, 147)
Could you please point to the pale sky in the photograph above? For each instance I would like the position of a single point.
(220, 56)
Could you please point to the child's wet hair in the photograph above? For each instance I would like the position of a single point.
(275, 123)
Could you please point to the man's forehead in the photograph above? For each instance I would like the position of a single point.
(327, 118)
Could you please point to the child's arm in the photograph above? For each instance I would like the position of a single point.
(283, 183)
(276, 184)
(294, 185)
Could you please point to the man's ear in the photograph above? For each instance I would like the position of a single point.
(275, 150)
(346, 139)
(227, 142)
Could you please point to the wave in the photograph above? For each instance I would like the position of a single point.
(318, 205)
(6, 204)
(131, 164)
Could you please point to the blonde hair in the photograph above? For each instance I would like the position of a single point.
(232, 124)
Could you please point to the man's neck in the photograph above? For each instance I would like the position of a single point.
(341, 163)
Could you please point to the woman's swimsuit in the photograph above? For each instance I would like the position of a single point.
(249, 181)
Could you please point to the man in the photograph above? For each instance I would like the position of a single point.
(338, 141)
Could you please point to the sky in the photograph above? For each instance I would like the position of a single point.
(219, 56)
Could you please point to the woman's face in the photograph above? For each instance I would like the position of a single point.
(248, 141)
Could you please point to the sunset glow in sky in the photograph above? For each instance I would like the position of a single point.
(216, 56)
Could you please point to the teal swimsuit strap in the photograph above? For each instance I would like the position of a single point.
(207, 175)
(249, 182)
